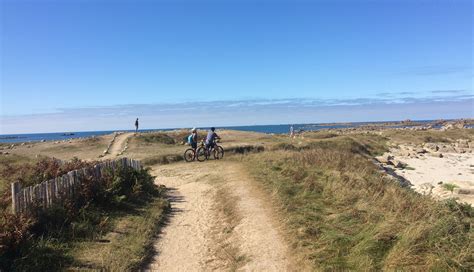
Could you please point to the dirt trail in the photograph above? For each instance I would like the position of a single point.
(118, 145)
(218, 222)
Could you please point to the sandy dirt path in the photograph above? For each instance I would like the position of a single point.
(118, 145)
(219, 222)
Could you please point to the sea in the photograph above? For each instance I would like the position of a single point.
(275, 129)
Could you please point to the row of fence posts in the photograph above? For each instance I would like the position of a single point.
(51, 191)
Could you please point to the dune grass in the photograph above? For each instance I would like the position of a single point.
(429, 136)
(129, 243)
(108, 225)
(158, 137)
(343, 214)
(450, 187)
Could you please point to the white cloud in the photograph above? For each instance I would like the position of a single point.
(243, 112)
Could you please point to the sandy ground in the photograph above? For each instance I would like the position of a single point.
(188, 242)
(117, 145)
(431, 172)
(85, 149)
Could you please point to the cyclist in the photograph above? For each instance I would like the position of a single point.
(211, 137)
(192, 139)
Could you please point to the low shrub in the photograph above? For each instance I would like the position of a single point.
(25, 237)
(284, 146)
(450, 187)
(32, 173)
(159, 137)
(162, 159)
(245, 149)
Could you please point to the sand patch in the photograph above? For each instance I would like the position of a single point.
(439, 175)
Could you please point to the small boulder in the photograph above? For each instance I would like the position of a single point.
(399, 164)
(436, 155)
(432, 146)
(462, 144)
(386, 158)
(420, 150)
(447, 149)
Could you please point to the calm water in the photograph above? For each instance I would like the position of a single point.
(277, 129)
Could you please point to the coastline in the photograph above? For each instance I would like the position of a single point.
(269, 129)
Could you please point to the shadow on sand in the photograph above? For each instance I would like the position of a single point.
(173, 196)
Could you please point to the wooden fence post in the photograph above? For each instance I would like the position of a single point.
(65, 186)
(16, 187)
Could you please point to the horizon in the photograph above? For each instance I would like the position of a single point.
(237, 126)
(97, 65)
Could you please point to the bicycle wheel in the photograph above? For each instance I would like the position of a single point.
(218, 152)
(189, 155)
(201, 154)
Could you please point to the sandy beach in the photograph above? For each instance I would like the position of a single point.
(438, 169)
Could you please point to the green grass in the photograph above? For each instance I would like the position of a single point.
(162, 159)
(149, 138)
(343, 214)
(6, 161)
(129, 243)
(114, 240)
(450, 187)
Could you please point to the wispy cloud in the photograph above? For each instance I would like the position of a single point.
(248, 104)
(398, 106)
(449, 91)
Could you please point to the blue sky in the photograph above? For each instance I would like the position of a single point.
(87, 65)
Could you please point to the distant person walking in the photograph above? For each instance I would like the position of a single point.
(136, 125)
(292, 131)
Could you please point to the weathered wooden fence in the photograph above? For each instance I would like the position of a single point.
(65, 186)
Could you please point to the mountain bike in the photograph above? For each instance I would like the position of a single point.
(203, 153)
(190, 153)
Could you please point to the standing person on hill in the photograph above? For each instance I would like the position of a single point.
(136, 125)
(292, 131)
(211, 137)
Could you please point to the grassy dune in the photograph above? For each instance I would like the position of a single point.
(343, 214)
(428, 136)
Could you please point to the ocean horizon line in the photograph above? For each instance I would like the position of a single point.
(269, 129)
(233, 126)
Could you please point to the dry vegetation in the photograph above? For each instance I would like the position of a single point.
(119, 204)
(343, 214)
(84, 149)
(225, 249)
(428, 136)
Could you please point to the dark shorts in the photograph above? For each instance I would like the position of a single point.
(194, 145)
(210, 145)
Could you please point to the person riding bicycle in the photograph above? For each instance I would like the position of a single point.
(193, 138)
(211, 137)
